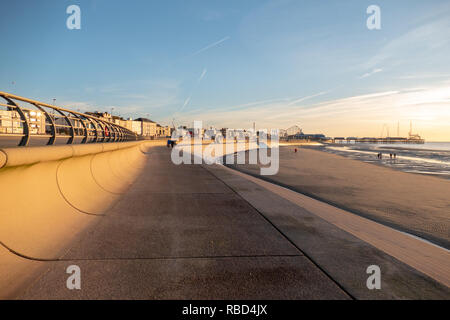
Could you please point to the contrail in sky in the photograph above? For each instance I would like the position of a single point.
(185, 103)
(212, 45)
(202, 75)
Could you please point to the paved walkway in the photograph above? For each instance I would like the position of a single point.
(203, 232)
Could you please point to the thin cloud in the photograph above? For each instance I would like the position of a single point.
(421, 41)
(368, 74)
(424, 76)
(306, 98)
(254, 103)
(212, 45)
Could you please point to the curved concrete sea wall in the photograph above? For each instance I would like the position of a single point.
(49, 194)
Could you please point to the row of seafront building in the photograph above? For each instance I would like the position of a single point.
(10, 123)
(141, 126)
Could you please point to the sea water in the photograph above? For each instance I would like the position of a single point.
(431, 158)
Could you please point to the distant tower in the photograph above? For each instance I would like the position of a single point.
(254, 126)
(398, 128)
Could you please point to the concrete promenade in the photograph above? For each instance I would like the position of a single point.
(206, 232)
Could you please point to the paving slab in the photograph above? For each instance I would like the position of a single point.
(180, 225)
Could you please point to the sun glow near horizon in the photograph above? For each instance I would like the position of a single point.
(363, 115)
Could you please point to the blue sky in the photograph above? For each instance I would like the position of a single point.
(229, 63)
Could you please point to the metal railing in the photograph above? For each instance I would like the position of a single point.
(42, 120)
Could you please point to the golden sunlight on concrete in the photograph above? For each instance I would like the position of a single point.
(49, 194)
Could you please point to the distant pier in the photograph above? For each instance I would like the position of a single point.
(386, 140)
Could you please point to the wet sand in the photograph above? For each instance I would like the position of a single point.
(413, 203)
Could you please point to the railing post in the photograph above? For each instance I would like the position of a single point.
(103, 126)
(113, 132)
(52, 139)
(84, 127)
(102, 130)
(121, 134)
(94, 124)
(72, 131)
(116, 133)
(109, 131)
(26, 126)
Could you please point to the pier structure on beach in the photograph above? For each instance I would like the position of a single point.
(412, 138)
(386, 140)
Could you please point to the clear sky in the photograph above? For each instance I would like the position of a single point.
(232, 62)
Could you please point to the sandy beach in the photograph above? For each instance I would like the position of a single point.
(417, 204)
